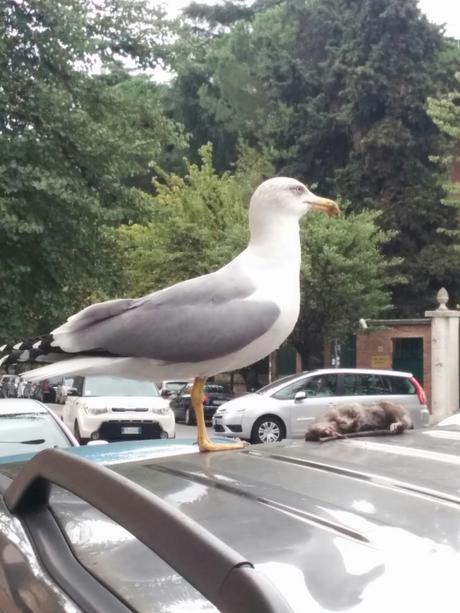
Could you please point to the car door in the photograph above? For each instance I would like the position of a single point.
(320, 396)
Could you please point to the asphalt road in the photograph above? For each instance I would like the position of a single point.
(182, 431)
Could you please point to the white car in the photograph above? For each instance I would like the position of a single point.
(28, 426)
(114, 408)
(283, 409)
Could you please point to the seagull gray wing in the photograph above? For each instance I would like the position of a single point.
(200, 319)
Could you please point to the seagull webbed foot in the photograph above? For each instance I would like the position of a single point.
(207, 445)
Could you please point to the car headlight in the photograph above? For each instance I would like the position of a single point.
(163, 411)
(94, 410)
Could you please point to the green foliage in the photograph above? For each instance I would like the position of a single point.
(344, 276)
(198, 223)
(335, 91)
(70, 143)
(445, 112)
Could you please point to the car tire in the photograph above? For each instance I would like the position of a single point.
(188, 417)
(267, 429)
(76, 430)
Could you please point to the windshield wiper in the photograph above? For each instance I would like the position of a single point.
(35, 441)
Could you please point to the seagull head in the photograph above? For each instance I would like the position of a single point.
(283, 196)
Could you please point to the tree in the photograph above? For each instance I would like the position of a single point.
(344, 277)
(445, 112)
(69, 143)
(335, 91)
(197, 224)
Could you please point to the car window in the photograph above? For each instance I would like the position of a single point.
(29, 432)
(314, 387)
(120, 561)
(401, 385)
(118, 386)
(366, 385)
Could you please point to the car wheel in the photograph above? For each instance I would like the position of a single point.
(76, 429)
(267, 429)
(189, 421)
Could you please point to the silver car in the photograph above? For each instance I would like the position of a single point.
(283, 409)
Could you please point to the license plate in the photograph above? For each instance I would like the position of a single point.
(217, 402)
(131, 430)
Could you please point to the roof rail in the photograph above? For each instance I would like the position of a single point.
(221, 574)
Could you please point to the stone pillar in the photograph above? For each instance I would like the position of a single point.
(444, 358)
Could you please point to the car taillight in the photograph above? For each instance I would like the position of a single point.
(420, 391)
(205, 398)
(46, 385)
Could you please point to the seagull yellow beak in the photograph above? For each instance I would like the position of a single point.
(324, 205)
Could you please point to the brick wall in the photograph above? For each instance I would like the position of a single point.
(374, 349)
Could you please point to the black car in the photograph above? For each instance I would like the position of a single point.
(215, 394)
(361, 525)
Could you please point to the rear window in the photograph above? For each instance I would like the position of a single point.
(402, 385)
(215, 388)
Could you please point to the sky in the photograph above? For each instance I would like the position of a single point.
(438, 11)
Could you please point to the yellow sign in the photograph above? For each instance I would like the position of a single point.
(381, 361)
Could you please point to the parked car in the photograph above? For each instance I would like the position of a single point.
(214, 395)
(285, 407)
(9, 386)
(62, 389)
(170, 388)
(290, 527)
(115, 408)
(29, 426)
(45, 391)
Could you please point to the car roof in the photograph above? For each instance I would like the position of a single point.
(21, 405)
(345, 525)
(365, 371)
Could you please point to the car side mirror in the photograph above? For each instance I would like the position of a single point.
(300, 396)
(72, 391)
(166, 393)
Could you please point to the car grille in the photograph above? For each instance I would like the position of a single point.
(124, 410)
(113, 430)
(218, 428)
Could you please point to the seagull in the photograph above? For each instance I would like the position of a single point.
(214, 323)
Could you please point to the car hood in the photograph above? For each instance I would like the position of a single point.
(357, 525)
(125, 402)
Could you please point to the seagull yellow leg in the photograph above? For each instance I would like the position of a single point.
(203, 442)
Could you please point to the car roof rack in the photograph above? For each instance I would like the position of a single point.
(221, 574)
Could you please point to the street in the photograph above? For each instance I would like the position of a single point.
(182, 431)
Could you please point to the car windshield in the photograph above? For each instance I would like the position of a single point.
(175, 386)
(117, 386)
(270, 386)
(29, 432)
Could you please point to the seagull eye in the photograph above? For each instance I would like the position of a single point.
(298, 189)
